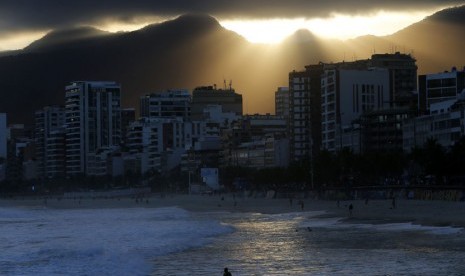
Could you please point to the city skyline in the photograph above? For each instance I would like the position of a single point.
(253, 136)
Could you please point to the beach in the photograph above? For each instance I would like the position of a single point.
(201, 234)
(424, 212)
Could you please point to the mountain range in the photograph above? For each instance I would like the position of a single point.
(195, 50)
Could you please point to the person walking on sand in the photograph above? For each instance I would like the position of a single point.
(351, 208)
(226, 272)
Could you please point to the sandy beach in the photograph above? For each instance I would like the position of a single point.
(437, 213)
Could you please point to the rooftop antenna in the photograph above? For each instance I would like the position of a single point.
(224, 83)
(230, 84)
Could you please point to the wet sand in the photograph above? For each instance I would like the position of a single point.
(437, 213)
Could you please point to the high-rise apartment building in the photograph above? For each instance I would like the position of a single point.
(204, 96)
(50, 141)
(93, 121)
(281, 99)
(345, 95)
(3, 136)
(128, 115)
(168, 104)
(305, 112)
(402, 77)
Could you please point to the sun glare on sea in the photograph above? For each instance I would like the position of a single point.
(337, 26)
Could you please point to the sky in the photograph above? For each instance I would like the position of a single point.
(260, 21)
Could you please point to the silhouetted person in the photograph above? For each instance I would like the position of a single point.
(351, 208)
(302, 205)
(226, 272)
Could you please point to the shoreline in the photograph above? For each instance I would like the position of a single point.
(432, 213)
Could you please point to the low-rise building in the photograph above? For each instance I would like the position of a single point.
(434, 88)
(167, 104)
(203, 96)
(445, 124)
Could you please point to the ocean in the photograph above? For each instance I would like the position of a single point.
(173, 241)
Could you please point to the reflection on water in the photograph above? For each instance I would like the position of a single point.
(292, 245)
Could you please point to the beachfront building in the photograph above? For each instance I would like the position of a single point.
(402, 70)
(259, 140)
(167, 104)
(158, 143)
(254, 127)
(268, 152)
(305, 112)
(346, 94)
(3, 146)
(203, 96)
(381, 130)
(281, 100)
(93, 122)
(50, 141)
(434, 88)
(207, 136)
(128, 115)
(3, 136)
(20, 151)
(445, 124)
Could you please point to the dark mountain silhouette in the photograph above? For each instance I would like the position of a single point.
(195, 50)
(72, 37)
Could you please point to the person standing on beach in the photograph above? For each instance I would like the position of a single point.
(351, 208)
(226, 272)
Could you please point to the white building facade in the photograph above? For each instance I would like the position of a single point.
(158, 143)
(445, 124)
(435, 88)
(347, 94)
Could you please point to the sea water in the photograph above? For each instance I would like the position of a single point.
(172, 241)
(97, 241)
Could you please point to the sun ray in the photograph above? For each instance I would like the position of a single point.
(337, 26)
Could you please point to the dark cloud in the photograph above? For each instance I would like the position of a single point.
(18, 15)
